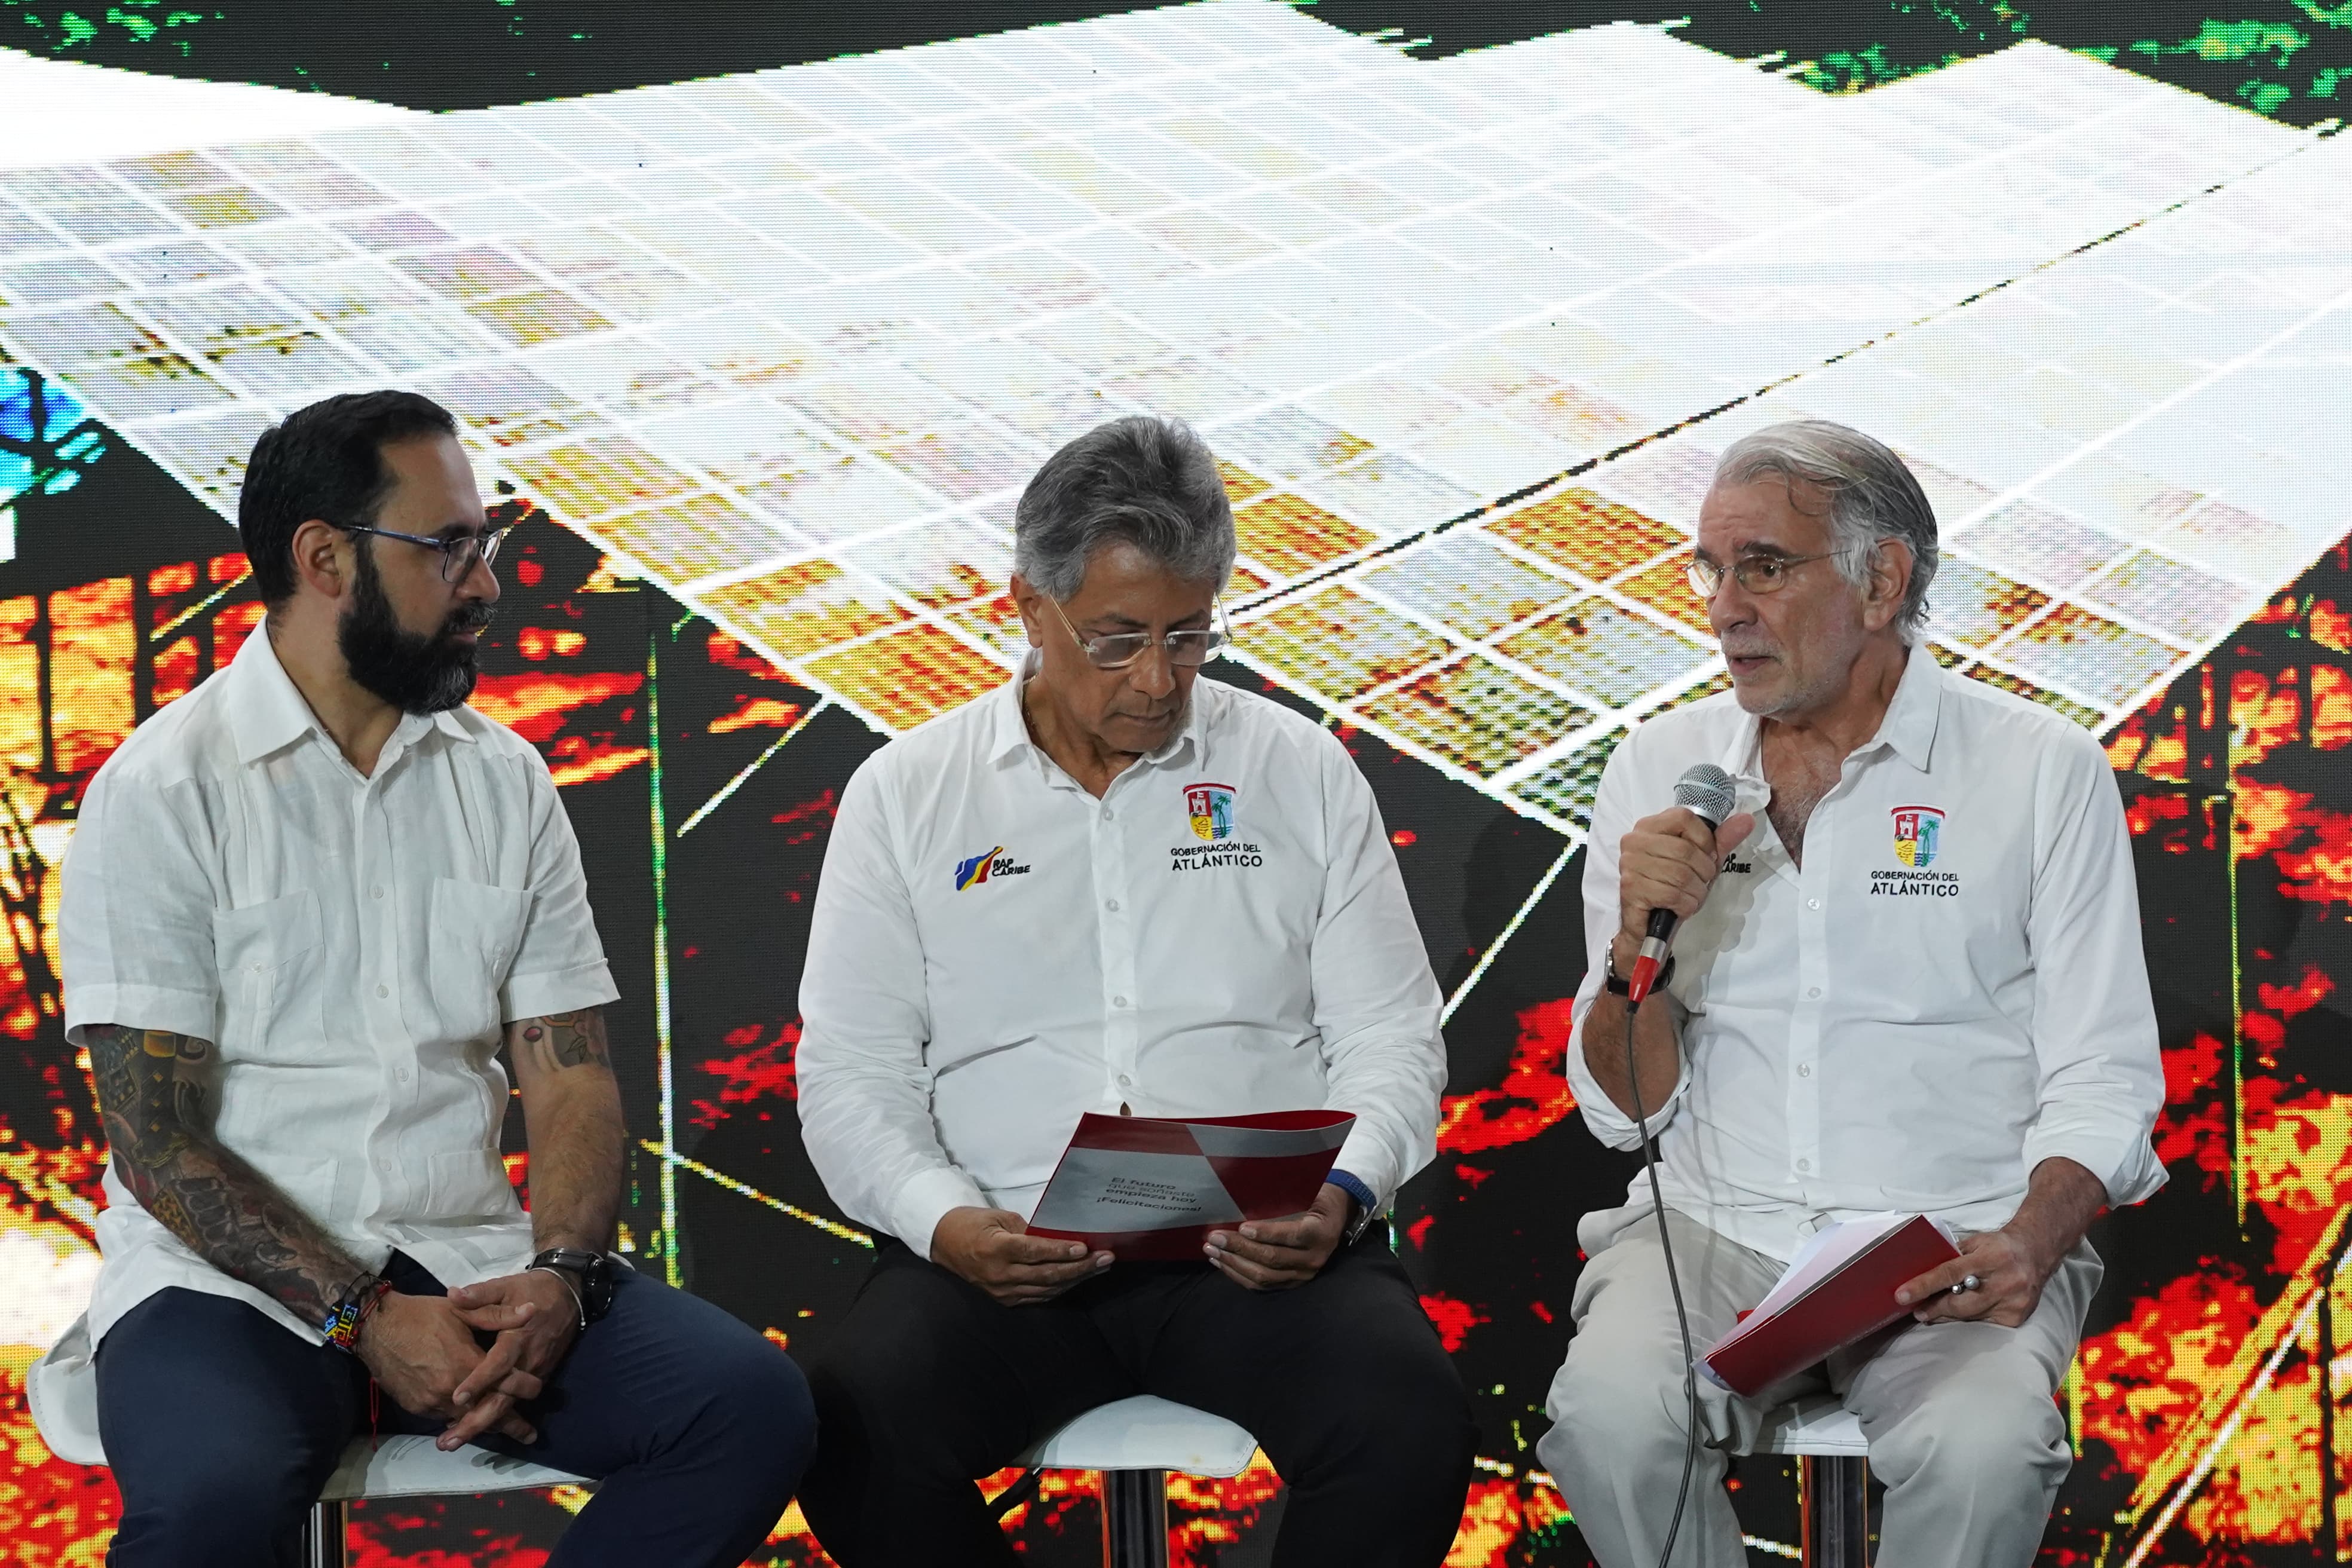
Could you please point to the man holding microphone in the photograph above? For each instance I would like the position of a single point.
(1112, 887)
(1907, 977)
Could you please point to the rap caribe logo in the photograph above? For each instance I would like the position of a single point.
(1918, 831)
(1211, 809)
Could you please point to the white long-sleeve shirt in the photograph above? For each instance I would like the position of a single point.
(996, 952)
(1950, 990)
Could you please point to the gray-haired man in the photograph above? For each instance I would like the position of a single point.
(1909, 977)
(1113, 888)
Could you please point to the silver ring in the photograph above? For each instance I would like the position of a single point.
(1969, 1282)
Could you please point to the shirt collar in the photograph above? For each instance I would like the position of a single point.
(267, 711)
(1907, 728)
(1009, 730)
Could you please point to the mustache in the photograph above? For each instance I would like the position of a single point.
(473, 617)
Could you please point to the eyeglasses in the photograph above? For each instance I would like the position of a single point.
(1117, 650)
(457, 554)
(1757, 573)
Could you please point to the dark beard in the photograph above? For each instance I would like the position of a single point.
(417, 674)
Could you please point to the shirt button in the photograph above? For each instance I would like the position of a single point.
(1125, 1081)
(403, 1075)
(1813, 991)
(1111, 904)
(377, 891)
(1107, 814)
(1809, 903)
(1804, 1164)
(383, 990)
(1804, 1069)
(1119, 1001)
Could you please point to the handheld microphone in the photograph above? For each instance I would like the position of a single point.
(1705, 791)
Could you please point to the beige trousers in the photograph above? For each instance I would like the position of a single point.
(1963, 1425)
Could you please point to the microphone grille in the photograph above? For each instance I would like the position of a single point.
(1707, 791)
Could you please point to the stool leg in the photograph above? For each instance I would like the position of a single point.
(1837, 1511)
(1135, 1519)
(324, 1537)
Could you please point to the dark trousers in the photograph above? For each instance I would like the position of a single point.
(222, 1429)
(928, 1382)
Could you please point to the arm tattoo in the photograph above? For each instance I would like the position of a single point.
(560, 1040)
(151, 1089)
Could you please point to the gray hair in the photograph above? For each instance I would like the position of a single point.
(1872, 498)
(1142, 480)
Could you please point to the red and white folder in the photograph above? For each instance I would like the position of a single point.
(1151, 1188)
(1840, 1288)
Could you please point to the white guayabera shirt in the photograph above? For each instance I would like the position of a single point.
(996, 952)
(1950, 990)
(352, 945)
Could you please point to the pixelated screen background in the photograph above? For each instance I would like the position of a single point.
(757, 317)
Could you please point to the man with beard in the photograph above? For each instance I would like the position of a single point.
(304, 905)
(1189, 909)
(1908, 978)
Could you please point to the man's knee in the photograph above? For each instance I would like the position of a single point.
(757, 1409)
(1983, 1433)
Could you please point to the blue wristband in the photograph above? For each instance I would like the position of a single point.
(1364, 1200)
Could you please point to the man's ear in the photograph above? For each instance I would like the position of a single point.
(1890, 581)
(1024, 599)
(319, 560)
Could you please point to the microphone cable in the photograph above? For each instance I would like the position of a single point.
(1682, 1316)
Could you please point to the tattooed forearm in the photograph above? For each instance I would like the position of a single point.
(573, 1118)
(151, 1089)
(560, 1040)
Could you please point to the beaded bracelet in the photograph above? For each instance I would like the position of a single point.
(344, 1322)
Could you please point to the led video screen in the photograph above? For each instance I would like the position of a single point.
(759, 333)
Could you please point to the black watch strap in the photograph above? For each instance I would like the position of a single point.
(1616, 987)
(589, 1274)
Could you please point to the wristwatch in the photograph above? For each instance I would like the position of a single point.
(1616, 987)
(587, 1275)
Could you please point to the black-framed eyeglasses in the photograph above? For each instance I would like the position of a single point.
(1117, 650)
(458, 552)
(1758, 572)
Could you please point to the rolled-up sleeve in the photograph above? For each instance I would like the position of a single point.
(559, 965)
(1376, 1003)
(136, 910)
(2102, 1073)
(865, 1088)
(1613, 814)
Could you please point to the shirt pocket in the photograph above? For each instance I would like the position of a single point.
(477, 929)
(467, 1184)
(272, 993)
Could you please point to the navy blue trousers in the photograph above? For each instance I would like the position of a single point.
(222, 1429)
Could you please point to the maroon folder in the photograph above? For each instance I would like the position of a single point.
(1835, 1293)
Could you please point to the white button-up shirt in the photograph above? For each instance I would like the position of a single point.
(996, 952)
(351, 944)
(1949, 992)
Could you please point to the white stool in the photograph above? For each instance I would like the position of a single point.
(62, 1389)
(1833, 1462)
(1135, 1443)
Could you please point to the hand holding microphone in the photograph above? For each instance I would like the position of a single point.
(1665, 866)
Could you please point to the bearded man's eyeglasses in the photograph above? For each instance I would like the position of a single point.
(459, 550)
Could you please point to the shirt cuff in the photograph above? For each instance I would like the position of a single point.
(2122, 1161)
(189, 1013)
(926, 1199)
(556, 991)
